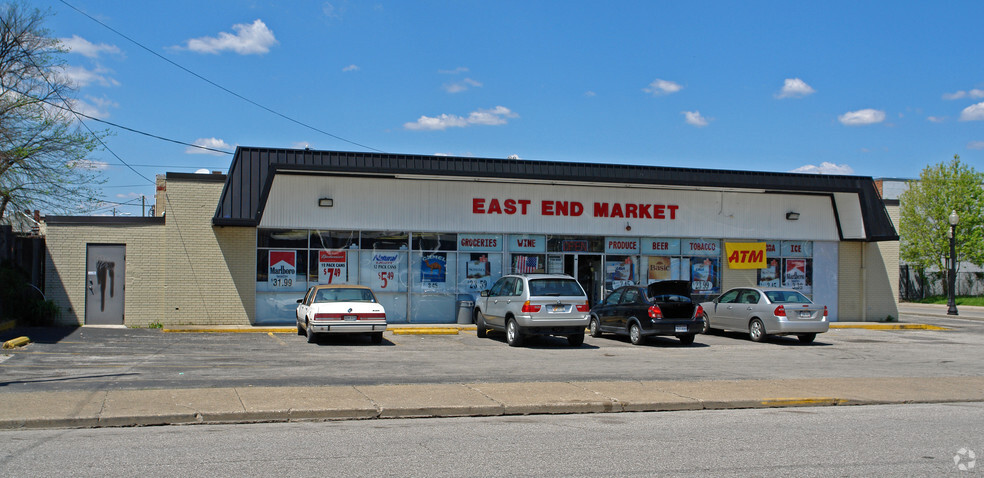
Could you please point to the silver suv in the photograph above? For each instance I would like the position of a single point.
(534, 304)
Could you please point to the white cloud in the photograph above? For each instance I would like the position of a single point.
(973, 112)
(254, 38)
(662, 87)
(936, 119)
(89, 164)
(695, 118)
(84, 47)
(975, 93)
(590, 94)
(862, 117)
(213, 143)
(351, 68)
(329, 10)
(512, 156)
(795, 88)
(459, 86)
(493, 117)
(92, 106)
(130, 195)
(824, 168)
(82, 77)
(975, 145)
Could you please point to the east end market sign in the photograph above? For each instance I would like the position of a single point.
(525, 207)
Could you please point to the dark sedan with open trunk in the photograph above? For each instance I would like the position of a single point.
(661, 308)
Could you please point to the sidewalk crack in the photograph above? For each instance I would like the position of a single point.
(375, 405)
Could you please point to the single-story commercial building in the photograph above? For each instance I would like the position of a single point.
(429, 232)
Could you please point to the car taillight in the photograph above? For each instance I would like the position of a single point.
(654, 312)
(583, 307)
(371, 316)
(825, 311)
(699, 312)
(327, 316)
(780, 311)
(527, 307)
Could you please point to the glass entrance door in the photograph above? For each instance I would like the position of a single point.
(587, 270)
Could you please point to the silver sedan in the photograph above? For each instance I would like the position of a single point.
(763, 311)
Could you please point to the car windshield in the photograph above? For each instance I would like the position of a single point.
(786, 297)
(555, 287)
(344, 295)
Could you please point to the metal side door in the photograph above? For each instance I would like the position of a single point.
(105, 274)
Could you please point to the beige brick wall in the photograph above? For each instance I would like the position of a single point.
(65, 280)
(209, 271)
(182, 272)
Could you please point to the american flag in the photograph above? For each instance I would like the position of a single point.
(525, 264)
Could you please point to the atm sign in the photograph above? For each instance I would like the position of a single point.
(745, 255)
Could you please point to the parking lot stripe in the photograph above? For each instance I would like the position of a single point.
(274, 337)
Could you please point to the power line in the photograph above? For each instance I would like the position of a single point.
(93, 118)
(233, 93)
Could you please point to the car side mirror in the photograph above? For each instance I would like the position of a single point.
(484, 293)
(300, 300)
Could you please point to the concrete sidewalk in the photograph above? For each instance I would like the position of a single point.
(120, 408)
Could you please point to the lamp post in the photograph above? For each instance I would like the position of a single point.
(951, 300)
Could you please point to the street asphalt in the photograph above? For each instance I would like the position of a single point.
(244, 404)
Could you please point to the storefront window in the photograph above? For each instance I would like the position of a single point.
(620, 271)
(704, 256)
(385, 272)
(334, 239)
(282, 238)
(434, 288)
(427, 241)
(384, 240)
(788, 264)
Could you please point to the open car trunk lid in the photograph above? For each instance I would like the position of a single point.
(673, 298)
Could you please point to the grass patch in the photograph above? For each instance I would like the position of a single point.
(960, 299)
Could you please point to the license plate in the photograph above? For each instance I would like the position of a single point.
(804, 314)
(681, 328)
(558, 308)
(350, 317)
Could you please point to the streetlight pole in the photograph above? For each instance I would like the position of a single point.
(951, 300)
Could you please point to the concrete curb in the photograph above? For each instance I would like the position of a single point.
(121, 408)
(885, 326)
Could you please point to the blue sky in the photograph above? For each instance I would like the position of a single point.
(870, 88)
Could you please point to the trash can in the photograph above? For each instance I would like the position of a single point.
(465, 305)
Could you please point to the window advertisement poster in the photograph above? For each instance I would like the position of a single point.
(434, 268)
(660, 268)
(283, 270)
(384, 271)
(332, 267)
(770, 275)
(619, 272)
(797, 273)
(555, 264)
(705, 274)
(478, 271)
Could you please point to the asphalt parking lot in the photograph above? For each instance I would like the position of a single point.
(118, 359)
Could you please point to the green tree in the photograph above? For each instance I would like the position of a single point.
(924, 228)
(43, 148)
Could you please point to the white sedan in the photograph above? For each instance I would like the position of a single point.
(340, 309)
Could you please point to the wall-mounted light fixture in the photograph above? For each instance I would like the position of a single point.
(792, 216)
(327, 202)
(628, 227)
